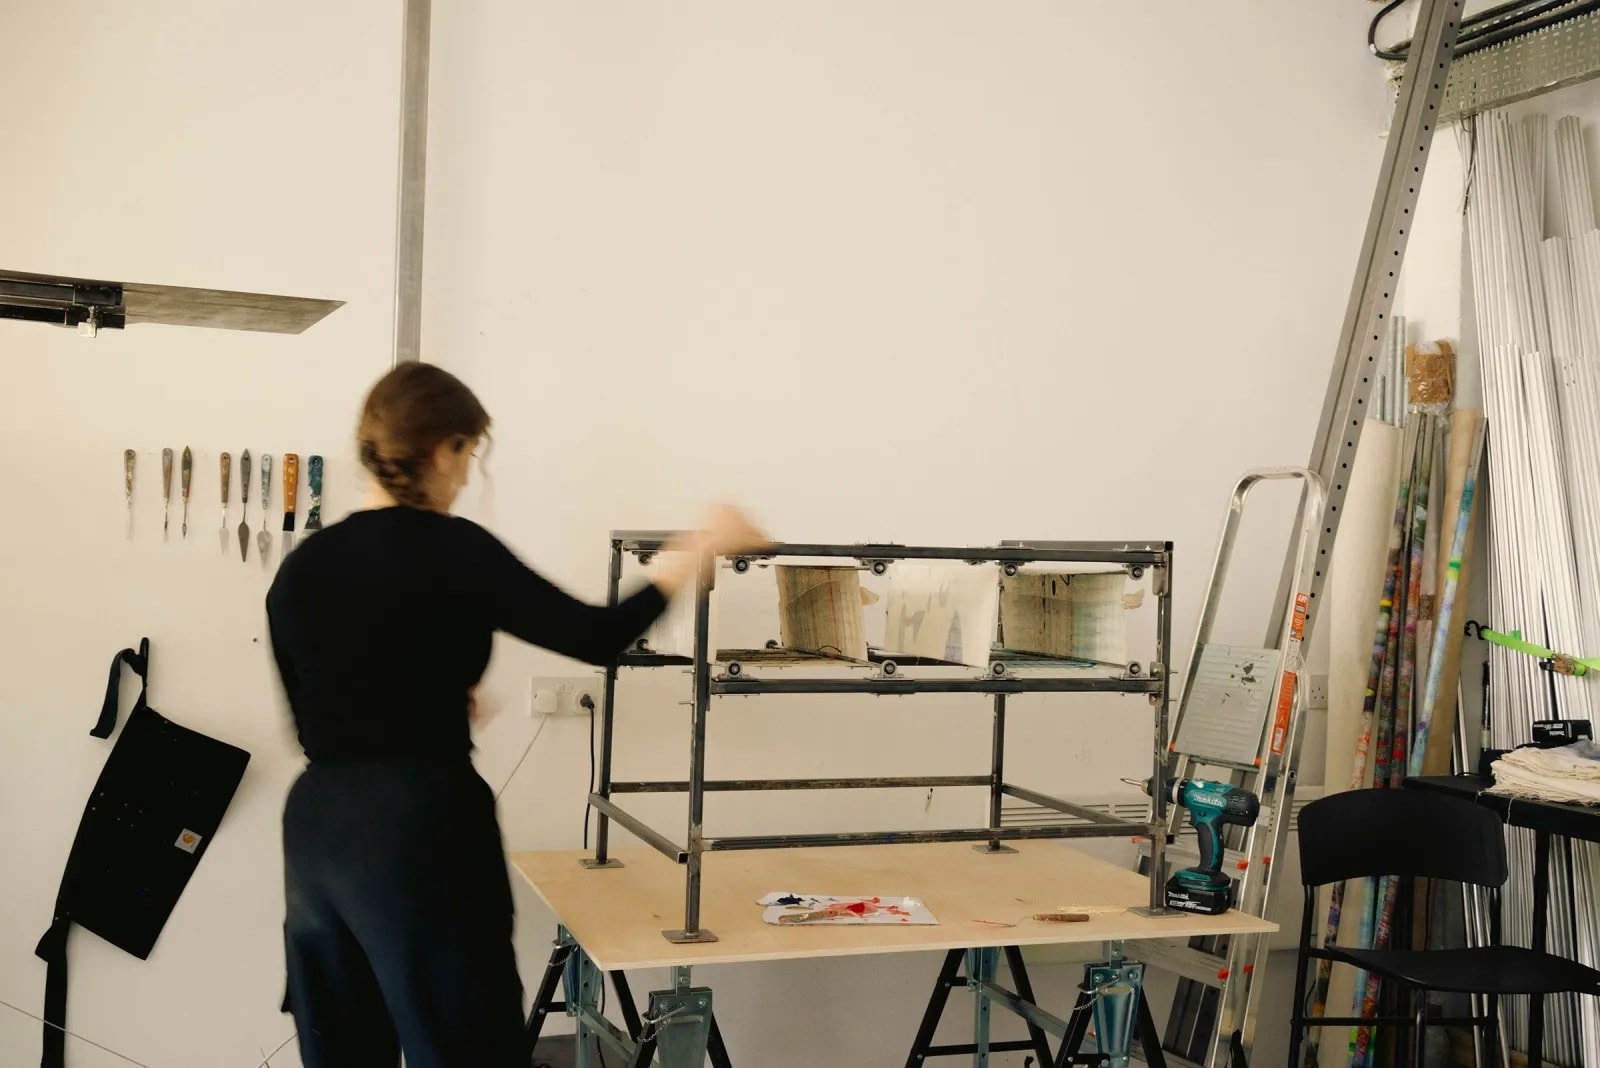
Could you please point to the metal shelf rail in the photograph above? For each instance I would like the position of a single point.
(724, 674)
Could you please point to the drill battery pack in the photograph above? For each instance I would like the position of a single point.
(1206, 901)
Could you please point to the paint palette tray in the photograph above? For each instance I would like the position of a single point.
(785, 909)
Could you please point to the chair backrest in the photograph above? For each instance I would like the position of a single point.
(1400, 832)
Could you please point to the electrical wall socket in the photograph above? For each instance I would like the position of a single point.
(564, 695)
(1316, 691)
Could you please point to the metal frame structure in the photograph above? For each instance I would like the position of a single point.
(885, 676)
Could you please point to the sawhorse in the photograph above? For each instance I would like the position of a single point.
(982, 967)
(679, 1025)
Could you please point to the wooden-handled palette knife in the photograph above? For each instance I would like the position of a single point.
(244, 505)
(188, 477)
(227, 477)
(166, 492)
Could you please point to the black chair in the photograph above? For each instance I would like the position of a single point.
(1412, 834)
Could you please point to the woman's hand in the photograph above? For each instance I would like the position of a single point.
(727, 531)
(477, 715)
(730, 532)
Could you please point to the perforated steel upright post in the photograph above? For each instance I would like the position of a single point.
(703, 667)
(1383, 247)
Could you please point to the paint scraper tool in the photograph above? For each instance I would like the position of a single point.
(314, 481)
(291, 495)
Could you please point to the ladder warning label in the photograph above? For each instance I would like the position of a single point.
(1280, 721)
(1297, 626)
(1297, 630)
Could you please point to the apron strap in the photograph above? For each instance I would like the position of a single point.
(140, 663)
(52, 948)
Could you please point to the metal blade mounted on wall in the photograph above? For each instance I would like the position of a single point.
(93, 305)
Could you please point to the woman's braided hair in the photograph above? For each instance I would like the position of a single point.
(409, 413)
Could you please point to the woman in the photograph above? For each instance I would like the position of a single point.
(399, 913)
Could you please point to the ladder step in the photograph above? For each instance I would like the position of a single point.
(1185, 852)
(1231, 765)
(1181, 960)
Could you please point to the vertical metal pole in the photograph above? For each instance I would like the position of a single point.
(1469, 893)
(1366, 317)
(982, 966)
(413, 182)
(1161, 581)
(602, 831)
(691, 931)
(997, 776)
(1541, 926)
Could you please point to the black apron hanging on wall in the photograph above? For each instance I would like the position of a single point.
(155, 807)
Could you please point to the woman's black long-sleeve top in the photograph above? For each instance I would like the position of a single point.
(381, 623)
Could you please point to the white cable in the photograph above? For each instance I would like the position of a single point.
(525, 751)
(75, 1035)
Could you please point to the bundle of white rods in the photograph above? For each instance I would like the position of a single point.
(1538, 316)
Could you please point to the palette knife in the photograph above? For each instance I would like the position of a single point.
(188, 476)
(166, 492)
(291, 495)
(263, 539)
(227, 477)
(129, 458)
(244, 505)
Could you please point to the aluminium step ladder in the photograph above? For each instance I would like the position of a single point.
(1239, 720)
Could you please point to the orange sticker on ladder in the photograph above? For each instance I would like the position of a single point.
(1297, 626)
(1280, 722)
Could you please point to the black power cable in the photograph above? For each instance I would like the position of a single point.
(588, 806)
(1492, 17)
(1488, 28)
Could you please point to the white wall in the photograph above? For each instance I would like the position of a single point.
(228, 146)
(894, 271)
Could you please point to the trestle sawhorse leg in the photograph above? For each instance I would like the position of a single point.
(1112, 993)
(678, 1028)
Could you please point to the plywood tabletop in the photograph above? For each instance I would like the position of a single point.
(618, 914)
